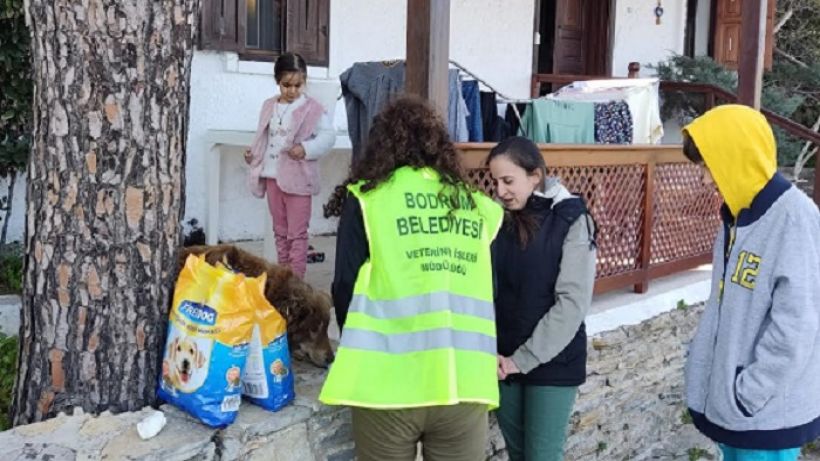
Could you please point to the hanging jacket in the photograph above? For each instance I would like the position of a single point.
(369, 86)
(753, 370)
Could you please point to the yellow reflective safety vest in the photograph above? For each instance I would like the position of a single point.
(420, 329)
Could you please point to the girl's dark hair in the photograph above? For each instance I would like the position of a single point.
(690, 150)
(287, 63)
(526, 155)
(408, 132)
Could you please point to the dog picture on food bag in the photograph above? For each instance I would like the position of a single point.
(234, 378)
(185, 365)
(278, 370)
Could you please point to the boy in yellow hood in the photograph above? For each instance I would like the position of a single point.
(753, 370)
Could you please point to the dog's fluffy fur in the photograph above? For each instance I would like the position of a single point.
(306, 310)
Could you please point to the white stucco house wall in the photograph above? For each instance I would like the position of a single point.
(492, 38)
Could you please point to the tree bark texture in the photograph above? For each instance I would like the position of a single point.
(105, 201)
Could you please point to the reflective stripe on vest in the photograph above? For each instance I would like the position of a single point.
(418, 341)
(422, 304)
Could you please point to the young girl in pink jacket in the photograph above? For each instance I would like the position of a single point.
(294, 131)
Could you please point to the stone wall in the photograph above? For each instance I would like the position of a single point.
(630, 408)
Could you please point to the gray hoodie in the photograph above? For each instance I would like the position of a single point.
(753, 372)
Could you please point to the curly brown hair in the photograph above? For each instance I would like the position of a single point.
(408, 132)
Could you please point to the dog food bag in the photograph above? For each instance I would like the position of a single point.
(209, 331)
(268, 378)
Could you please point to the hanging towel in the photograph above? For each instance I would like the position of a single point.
(561, 122)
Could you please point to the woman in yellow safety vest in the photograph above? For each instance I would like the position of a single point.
(413, 295)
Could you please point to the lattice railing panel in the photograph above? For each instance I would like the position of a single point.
(686, 215)
(614, 195)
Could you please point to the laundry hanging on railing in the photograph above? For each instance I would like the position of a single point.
(585, 122)
(613, 123)
(472, 97)
(493, 126)
(561, 122)
(640, 95)
(368, 86)
(577, 122)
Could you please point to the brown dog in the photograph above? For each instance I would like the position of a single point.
(306, 310)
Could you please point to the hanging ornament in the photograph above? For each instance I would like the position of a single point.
(658, 13)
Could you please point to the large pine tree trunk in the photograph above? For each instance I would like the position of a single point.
(105, 200)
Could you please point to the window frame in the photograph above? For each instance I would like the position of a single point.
(223, 27)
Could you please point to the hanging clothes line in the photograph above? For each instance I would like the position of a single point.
(391, 62)
(498, 94)
(484, 82)
(462, 70)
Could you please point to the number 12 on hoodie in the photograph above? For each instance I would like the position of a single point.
(748, 265)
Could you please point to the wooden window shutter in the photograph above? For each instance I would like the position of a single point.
(727, 33)
(306, 29)
(220, 25)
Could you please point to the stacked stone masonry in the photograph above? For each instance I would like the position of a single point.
(630, 408)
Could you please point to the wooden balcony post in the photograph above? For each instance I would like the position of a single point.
(634, 70)
(647, 224)
(710, 99)
(752, 51)
(428, 51)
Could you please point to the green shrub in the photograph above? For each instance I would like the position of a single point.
(16, 102)
(686, 417)
(11, 269)
(697, 453)
(8, 371)
(778, 95)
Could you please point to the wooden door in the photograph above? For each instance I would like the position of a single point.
(568, 49)
(727, 33)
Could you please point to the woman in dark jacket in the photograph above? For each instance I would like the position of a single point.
(544, 263)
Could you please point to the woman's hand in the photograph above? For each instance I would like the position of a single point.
(507, 366)
(297, 153)
(248, 156)
(500, 371)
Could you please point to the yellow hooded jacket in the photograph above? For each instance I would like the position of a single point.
(738, 147)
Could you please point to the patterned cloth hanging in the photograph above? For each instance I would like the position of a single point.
(613, 123)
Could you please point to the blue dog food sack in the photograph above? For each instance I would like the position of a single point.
(268, 378)
(209, 330)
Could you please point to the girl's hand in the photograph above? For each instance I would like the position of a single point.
(508, 366)
(297, 153)
(248, 156)
(500, 371)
